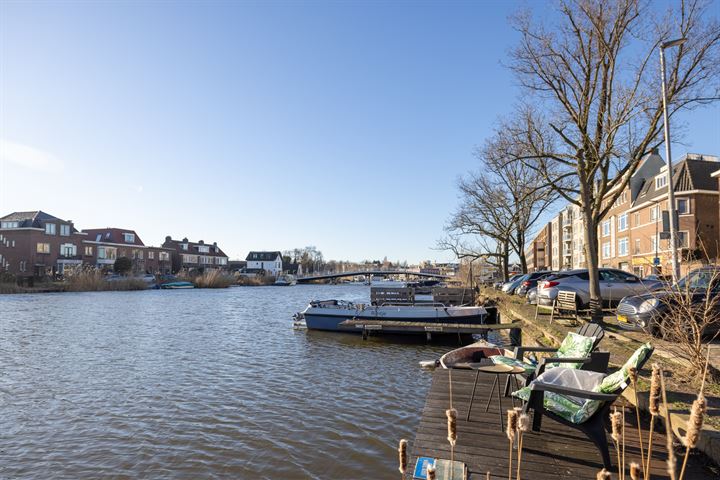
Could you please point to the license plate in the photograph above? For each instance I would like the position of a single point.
(622, 318)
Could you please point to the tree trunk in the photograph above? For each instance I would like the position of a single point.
(591, 256)
(506, 260)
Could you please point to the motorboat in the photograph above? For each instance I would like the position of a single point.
(176, 285)
(332, 315)
(285, 281)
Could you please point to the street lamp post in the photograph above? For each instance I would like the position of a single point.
(668, 159)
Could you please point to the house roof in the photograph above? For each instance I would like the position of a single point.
(194, 247)
(263, 256)
(688, 174)
(34, 219)
(113, 235)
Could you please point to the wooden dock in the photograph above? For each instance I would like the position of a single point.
(558, 452)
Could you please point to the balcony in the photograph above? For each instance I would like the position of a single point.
(567, 237)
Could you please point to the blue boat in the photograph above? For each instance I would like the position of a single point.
(176, 285)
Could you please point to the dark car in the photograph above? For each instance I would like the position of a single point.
(530, 282)
(646, 312)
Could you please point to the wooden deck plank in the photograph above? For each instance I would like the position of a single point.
(558, 452)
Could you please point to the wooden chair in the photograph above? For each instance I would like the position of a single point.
(566, 301)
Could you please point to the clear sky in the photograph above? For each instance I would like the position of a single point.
(259, 125)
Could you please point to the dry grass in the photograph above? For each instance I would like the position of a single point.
(93, 280)
(254, 281)
(213, 279)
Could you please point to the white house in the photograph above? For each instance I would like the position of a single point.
(270, 262)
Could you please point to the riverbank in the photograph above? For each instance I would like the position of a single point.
(682, 389)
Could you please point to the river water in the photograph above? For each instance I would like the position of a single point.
(200, 384)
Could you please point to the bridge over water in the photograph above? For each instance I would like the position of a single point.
(329, 276)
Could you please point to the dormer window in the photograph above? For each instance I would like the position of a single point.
(50, 228)
(129, 237)
(184, 246)
(9, 224)
(65, 230)
(660, 181)
(203, 249)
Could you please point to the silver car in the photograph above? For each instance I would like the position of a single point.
(513, 283)
(614, 286)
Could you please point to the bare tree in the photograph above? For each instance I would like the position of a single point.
(593, 105)
(499, 204)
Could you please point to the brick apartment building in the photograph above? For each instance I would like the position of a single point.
(539, 255)
(188, 255)
(104, 245)
(630, 235)
(37, 244)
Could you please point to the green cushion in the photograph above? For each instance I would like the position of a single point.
(619, 379)
(501, 359)
(574, 346)
(563, 406)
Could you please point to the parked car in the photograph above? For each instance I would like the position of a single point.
(614, 285)
(531, 296)
(530, 281)
(512, 278)
(510, 286)
(647, 312)
(666, 279)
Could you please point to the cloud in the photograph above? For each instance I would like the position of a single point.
(29, 157)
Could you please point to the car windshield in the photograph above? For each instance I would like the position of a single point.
(700, 279)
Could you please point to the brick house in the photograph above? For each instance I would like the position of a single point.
(198, 256)
(104, 245)
(539, 253)
(36, 244)
(630, 235)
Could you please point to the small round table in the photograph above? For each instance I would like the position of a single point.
(497, 370)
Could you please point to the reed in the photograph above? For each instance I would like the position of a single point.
(697, 417)
(633, 381)
(402, 456)
(213, 279)
(615, 424)
(671, 461)
(603, 475)
(654, 399)
(510, 431)
(430, 473)
(522, 427)
(634, 471)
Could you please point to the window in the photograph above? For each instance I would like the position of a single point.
(65, 230)
(654, 213)
(139, 254)
(606, 228)
(622, 222)
(203, 249)
(9, 224)
(23, 265)
(683, 206)
(623, 246)
(606, 250)
(68, 250)
(653, 244)
(637, 246)
(129, 237)
(43, 248)
(151, 255)
(660, 181)
(107, 253)
(637, 219)
(50, 228)
(88, 251)
(184, 246)
(98, 237)
(682, 239)
(163, 256)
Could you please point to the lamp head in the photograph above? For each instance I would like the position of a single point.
(673, 43)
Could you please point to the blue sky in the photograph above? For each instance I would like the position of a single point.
(257, 125)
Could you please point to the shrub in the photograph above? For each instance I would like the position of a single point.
(123, 265)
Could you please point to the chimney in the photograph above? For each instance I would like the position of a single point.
(185, 240)
(201, 242)
(168, 238)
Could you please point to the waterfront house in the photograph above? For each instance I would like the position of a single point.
(270, 263)
(36, 244)
(105, 245)
(195, 256)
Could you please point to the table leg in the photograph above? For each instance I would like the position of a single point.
(487, 406)
(472, 396)
(497, 379)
